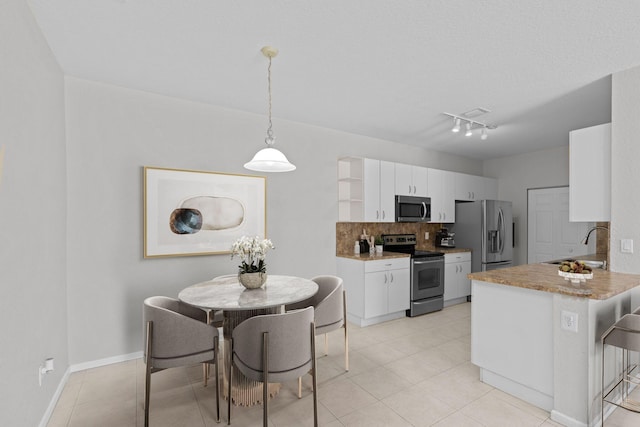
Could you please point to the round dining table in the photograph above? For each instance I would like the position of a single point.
(238, 303)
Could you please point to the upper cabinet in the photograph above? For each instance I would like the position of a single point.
(470, 188)
(590, 174)
(441, 190)
(411, 180)
(366, 190)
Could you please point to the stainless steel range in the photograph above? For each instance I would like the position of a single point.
(427, 273)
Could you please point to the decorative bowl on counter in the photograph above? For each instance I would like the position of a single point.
(576, 278)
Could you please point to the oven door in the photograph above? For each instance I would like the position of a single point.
(427, 278)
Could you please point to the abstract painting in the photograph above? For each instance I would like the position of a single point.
(200, 213)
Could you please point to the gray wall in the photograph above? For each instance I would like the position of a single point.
(517, 174)
(625, 174)
(113, 132)
(33, 227)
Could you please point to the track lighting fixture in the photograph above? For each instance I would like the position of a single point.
(470, 125)
(456, 125)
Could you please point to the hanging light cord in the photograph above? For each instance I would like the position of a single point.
(269, 139)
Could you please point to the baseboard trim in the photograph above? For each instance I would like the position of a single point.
(81, 367)
(104, 362)
(54, 400)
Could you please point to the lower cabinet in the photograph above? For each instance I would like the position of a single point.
(457, 286)
(377, 290)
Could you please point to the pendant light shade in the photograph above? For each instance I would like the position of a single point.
(269, 159)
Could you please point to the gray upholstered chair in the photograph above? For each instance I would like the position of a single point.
(274, 348)
(176, 334)
(330, 304)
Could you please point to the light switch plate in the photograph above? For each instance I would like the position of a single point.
(569, 321)
(426, 235)
(626, 246)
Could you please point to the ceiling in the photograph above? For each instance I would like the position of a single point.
(381, 68)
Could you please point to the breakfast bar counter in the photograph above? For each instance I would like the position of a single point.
(544, 277)
(536, 336)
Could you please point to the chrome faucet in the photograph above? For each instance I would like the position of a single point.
(585, 240)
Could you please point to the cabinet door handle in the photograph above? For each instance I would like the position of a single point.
(386, 279)
(391, 274)
(409, 188)
(473, 194)
(414, 189)
(383, 215)
(377, 214)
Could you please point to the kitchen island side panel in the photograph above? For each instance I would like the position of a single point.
(512, 340)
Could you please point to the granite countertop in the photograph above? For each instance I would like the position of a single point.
(544, 277)
(374, 257)
(452, 250)
(389, 255)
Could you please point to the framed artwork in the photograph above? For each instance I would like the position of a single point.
(200, 213)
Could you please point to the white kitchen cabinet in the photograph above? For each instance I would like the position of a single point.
(411, 180)
(456, 284)
(366, 190)
(468, 187)
(472, 187)
(442, 193)
(590, 174)
(377, 290)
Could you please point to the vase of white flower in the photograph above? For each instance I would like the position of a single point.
(252, 272)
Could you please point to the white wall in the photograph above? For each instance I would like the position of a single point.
(33, 306)
(114, 132)
(625, 174)
(517, 174)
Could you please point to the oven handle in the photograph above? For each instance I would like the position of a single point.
(426, 262)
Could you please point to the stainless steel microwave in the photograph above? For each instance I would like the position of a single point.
(413, 209)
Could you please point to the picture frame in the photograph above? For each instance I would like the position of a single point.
(190, 212)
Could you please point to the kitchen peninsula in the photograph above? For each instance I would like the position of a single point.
(537, 337)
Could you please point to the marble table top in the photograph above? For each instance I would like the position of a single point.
(226, 293)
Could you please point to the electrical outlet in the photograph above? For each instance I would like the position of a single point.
(426, 235)
(569, 321)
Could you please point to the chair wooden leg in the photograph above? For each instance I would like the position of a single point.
(265, 382)
(313, 375)
(147, 380)
(346, 332)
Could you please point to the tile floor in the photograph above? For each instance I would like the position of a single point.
(407, 372)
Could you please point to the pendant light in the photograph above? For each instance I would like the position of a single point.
(269, 159)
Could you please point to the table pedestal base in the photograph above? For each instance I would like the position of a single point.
(244, 392)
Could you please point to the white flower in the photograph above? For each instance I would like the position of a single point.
(251, 250)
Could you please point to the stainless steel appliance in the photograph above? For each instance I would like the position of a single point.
(445, 239)
(413, 209)
(427, 273)
(485, 226)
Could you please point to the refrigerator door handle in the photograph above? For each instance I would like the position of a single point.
(502, 230)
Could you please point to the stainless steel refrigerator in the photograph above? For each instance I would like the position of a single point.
(485, 226)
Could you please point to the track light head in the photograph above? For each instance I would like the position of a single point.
(468, 133)
(484, 135)
(456, 125)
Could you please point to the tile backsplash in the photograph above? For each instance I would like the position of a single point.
(348, 232)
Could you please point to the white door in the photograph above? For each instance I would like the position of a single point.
(550, 235)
